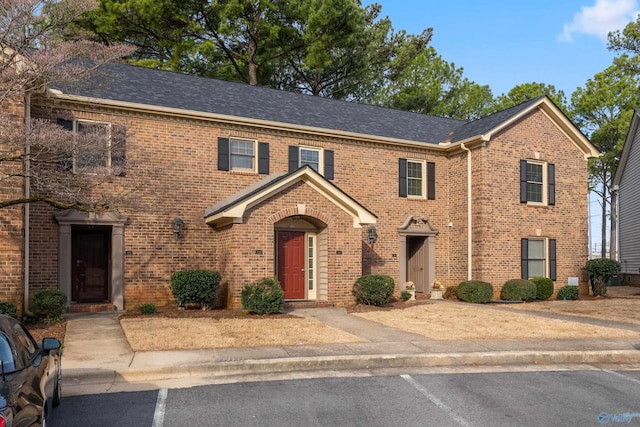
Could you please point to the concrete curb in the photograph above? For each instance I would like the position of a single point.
(352, 362)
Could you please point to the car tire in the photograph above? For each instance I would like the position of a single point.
(57, 393)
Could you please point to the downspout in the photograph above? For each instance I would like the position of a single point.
(27, 194)
(469, 236)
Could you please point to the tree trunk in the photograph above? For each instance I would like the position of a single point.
(613, 241)
(603, 248)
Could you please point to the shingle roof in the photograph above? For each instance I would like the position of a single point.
(147, 86)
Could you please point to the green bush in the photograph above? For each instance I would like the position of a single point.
(405, 296)
(49, 304)
(518, 290)
(600, 270)
(569, 293)
(9, 309)
(147, 308)
(374, 289)
(195, 287)
(475, 291)
(544, 287)
(263, 297)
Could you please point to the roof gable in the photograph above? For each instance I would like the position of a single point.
(232, 209)
(628, 147)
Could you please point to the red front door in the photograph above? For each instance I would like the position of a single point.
(291, 263)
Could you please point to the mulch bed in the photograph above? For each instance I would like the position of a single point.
(40, 329)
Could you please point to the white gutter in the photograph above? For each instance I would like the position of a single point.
(27, 194)
(469, 223)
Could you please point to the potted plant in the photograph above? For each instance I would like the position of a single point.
(410, 288)
(436, 290)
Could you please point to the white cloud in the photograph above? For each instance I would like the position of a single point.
(598, 20)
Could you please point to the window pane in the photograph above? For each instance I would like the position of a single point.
(536, 249)
(536, 269)
(242, 155)
(310, 157)
(414, 179)
(534, 172)
(534, 192)
(92, 150)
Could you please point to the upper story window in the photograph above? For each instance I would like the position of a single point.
(537, 183)
(417, 179)
(311, 157)
(318, 159)
(235, 154)
(97, 145)
(243, 155)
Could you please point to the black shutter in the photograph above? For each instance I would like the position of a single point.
(523, 181)
(551, 178)
(293, 158)
(552, 259)
(328, 164)
(118, 149)
(263, 157)
(223, 154)
(524, 259)
(431, 181)
(66, 159)
(402, 178)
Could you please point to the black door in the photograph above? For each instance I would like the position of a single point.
(91, 249)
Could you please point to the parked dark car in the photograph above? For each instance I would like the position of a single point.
(30, 375)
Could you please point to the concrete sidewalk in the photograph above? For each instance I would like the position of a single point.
(96, 351)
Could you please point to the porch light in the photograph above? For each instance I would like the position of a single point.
(178, 225)
(373, 235)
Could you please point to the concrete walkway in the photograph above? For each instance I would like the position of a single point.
(96, 352)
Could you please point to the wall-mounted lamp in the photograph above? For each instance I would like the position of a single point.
(373, 235)
(178, 225)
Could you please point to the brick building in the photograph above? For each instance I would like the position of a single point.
(253, 182)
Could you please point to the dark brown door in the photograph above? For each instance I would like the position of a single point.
(417, 263)
(291, 263)
(90, 264)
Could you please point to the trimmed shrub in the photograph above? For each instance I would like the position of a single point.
(263, 297)
(600, 270)
(374, 289)
(544, 287)
(195, 287)
(49, 304)
(147, 308)
(569, 293)
(9, 309)
(451, 293)
(518, 290)
(405, 296)
(475, 291)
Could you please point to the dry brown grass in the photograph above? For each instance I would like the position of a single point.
(160, 333)
(442, 320)
(457, 321)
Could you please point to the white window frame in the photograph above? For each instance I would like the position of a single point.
(76, 129)
(254, 156)
(423, 178)
(545, 258)
(320, 152)
(544, 184)
(311, 265)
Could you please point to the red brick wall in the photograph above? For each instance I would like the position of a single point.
(11, 219)
(181, 179)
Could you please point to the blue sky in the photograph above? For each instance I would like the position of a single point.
(503, 43)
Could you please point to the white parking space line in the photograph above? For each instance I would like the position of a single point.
(618, 374)
(161, 404)
(439, 403)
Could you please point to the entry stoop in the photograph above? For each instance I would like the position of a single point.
(307, 304)
(90, 307)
